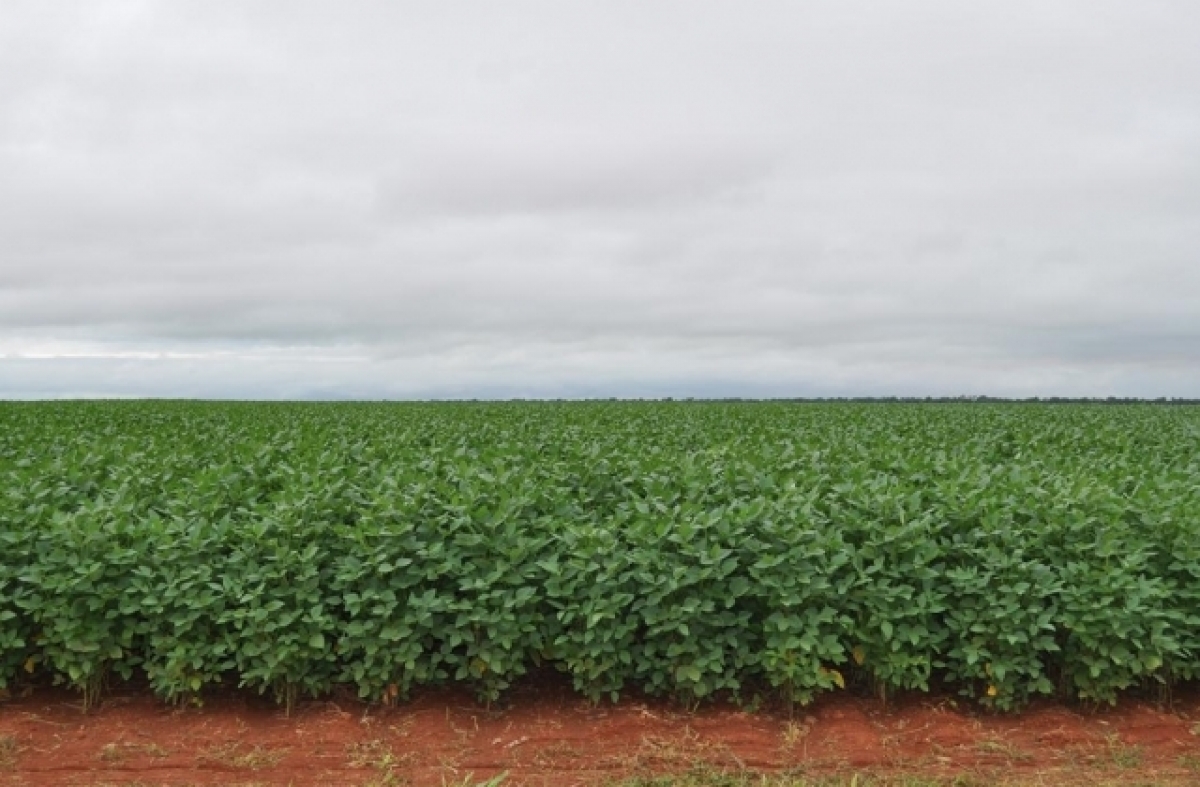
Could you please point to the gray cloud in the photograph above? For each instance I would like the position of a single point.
(430, 199)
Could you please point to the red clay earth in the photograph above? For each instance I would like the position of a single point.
(548, 736)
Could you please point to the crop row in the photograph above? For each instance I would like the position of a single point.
(687, 550)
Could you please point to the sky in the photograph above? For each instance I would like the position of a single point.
(453, 199)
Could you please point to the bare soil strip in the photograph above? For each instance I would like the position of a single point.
(546, 735)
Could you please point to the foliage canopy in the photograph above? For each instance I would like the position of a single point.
(678, 548)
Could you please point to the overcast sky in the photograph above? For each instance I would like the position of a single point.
(474, 199)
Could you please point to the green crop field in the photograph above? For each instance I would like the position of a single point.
(682, 549)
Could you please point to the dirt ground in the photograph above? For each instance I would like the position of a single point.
(548, 736)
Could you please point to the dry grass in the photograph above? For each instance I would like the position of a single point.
(389, 779)
(683, 751)
(376, 754)
(173, 784)
(715, 778)
(998, 747)
(233, 756)
(8, 752)
(367, 754)
(555, 754)
(114, 753)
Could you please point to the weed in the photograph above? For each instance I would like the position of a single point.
(1191, 762)
(1121, 754)
(795, 732)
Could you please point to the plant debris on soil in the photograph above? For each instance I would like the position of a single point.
(546, 735)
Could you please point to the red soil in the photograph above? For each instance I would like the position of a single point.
(549, 736)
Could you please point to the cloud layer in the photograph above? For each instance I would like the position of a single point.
(630, 199)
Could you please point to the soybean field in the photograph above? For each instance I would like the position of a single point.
(997, 551)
